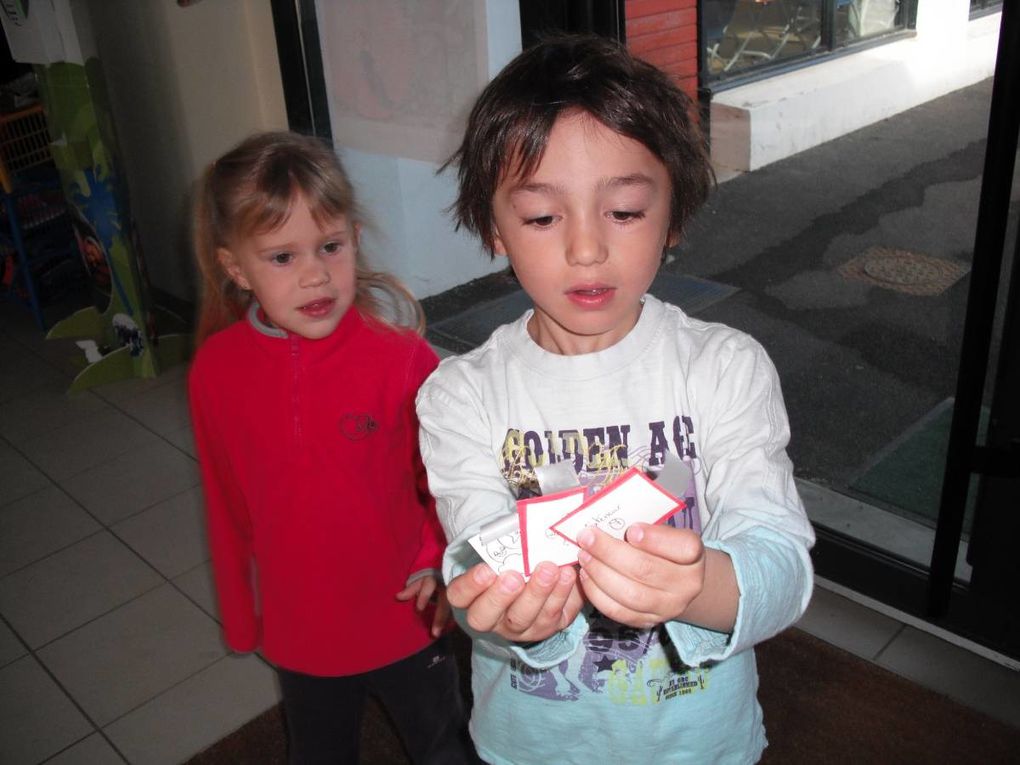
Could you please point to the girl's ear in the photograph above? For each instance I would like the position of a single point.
(229, 263)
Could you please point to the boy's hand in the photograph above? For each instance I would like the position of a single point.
(514, 609)
(658, 574)
(423, 591)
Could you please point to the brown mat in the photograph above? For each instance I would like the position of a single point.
(821, 704)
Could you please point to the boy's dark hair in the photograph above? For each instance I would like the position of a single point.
(510, 123)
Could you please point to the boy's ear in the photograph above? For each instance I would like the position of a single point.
(228, 261)
(673, 240)
(498, 247)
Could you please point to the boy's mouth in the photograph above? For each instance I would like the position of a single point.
(591, 295)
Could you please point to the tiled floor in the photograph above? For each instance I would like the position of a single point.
(109, 646)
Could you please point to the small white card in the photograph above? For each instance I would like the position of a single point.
(632, 498)
(541, 543)
(499, 544)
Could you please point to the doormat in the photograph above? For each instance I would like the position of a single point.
(906, 475)
(472, 327)
(821, 704)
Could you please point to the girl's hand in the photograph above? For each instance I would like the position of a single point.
(658, 574)
(514, 609)
(424, 590)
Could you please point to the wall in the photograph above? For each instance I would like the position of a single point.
(184, 85)
(400, 77)
(665, 33)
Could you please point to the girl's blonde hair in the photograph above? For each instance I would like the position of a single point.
(250, 190)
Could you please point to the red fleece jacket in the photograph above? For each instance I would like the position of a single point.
(316, 499)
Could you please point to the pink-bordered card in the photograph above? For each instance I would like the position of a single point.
(631, 498)
(538, 540)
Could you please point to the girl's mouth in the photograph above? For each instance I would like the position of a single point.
(318, 308)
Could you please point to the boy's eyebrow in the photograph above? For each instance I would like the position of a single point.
(633, 179)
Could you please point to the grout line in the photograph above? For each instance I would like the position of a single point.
(919, 624)
(893, 638)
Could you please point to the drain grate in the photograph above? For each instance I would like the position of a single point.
(903, 271)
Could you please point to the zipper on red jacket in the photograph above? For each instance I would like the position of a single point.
(295, 388)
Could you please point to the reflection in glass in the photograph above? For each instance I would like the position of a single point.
(742, 34)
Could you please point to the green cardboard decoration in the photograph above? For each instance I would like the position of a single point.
(119, 339)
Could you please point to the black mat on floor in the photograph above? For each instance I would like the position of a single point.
(821, 704)
(472, 327)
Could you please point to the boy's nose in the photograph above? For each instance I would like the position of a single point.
(586, 246)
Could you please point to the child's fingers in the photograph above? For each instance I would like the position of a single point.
(539, 611)
(681, 546)
(464, 589)
(425, 593)
(610, 607)
(488, 608)
(408, 592)
(441, 617)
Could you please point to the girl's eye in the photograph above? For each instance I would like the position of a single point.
(623, 216)
(281, 258)
(331, 248)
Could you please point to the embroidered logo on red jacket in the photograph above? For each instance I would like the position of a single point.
(357, 426)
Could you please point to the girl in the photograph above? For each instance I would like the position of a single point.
(324, 539)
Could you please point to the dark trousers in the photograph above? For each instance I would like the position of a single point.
(421, 694)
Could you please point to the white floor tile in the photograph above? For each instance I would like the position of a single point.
(63, 591)
(10, 647)
(846, 624)
(183, 439)
(86, 442)
(198, 585)
(18, 477)
(27, 375)
(970, 679)
(135, 653)
(169, 535)
(44, 410)
(38, 712)
(123, 390)
(197, 713)
(39, 524)
(163, 409)
(133, 481)
(95, 750)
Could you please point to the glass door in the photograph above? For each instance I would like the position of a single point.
(972, 581)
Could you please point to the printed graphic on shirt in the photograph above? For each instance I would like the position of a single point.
(629, 666)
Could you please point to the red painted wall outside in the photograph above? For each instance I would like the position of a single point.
(665, 33)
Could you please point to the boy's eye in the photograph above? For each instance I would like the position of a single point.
(622, 216)
(281, 258)
(542, 221)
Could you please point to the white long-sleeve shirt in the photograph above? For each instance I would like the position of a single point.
(705, 392)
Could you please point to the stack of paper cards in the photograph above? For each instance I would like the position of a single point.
(546, 527)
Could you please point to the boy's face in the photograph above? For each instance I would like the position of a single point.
(585, 234)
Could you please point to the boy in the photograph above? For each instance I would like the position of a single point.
(581, 165)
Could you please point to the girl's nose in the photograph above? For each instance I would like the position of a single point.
(315, 274)
(585, 246)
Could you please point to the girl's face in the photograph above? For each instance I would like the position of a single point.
(585, 234)
(302, 275)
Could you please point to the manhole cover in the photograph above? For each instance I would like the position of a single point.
(899, 268)
(903, 271)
